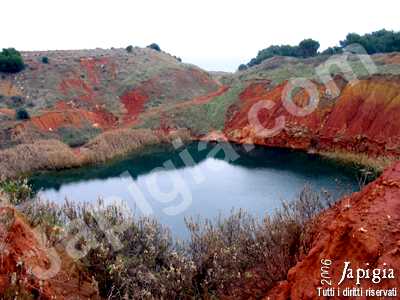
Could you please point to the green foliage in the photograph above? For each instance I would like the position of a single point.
(129, 49)
(381, 41)
(332, 50)
(75, 137)
(17, 190)
(275, 50)
(242, 67)
(11, 61)
(308, 48)
(154, 46)
(45, 60)
(22, 114)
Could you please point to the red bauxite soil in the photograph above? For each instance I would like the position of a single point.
(23, 253)
(362, 119)
(52, 120)
(134, 101)
(363, 229)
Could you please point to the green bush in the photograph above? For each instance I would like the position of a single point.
(308, 48)
(154, 46)
(332, 50)
(22, 114)
(129, 49)
(381, 41)
(75, 137)
(242, 67)
(17, 190)
(45, 60)
(11, 61)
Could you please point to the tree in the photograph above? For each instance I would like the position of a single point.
(381, 41)
(332, 50)
(129, 49)
(242, 67)
(45, 60)
(308, 48)
(22, 114)
(154, 46)
(11, 61)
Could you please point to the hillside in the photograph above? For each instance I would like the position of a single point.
(89, 106)
(82, 93)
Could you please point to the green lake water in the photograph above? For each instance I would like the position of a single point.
(199, 180)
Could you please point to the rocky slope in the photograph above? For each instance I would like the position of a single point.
(27, 265)
(361, 120)
(362, 229)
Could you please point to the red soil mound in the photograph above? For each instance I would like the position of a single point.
(134, 101)
(368, 110)
(301, 128)
(363, 229)
(22, 256)
(53, 120)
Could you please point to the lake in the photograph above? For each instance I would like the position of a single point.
(199, 180)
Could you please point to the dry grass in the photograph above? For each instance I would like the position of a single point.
(375, 164)
(120, 142)
(53, 154)
(40, 155)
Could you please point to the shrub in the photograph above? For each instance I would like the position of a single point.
(332, 51)
(45, 60)
(11, 61)
(242, 67)
(17, 190)
(129, 49)
(22, 114)
(76, 137)
(219, 255)
(380, 41)
(154, 46)
(308, 48)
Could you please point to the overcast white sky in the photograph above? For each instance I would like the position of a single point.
(214, 34)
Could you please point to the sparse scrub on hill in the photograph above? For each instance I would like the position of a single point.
(200, 119)
(219, 256)
(11, 61)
